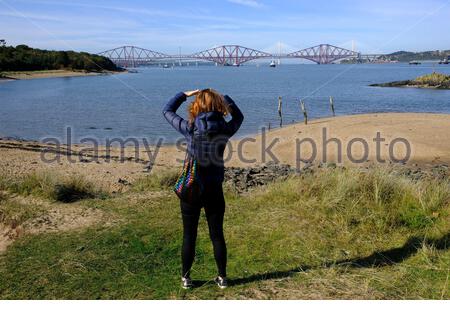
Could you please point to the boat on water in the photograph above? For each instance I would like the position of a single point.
(272, 64)
(444, 61)
(227, 64)
(166, 66)
(415, 62)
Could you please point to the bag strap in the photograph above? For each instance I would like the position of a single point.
(191, 141)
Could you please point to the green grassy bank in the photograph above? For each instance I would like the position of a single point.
(331, 234)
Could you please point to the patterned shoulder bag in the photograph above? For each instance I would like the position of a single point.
(188, 186)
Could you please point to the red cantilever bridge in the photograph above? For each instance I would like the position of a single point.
(226, 55)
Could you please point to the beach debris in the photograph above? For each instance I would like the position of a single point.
(123, 182)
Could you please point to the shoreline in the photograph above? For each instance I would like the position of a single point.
(45, 74)
(429, 130)
(236, 139)
(427, 133)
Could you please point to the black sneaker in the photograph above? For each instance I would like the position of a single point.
(186, 283)
(221, 282)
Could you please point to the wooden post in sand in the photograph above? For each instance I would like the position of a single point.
(305, 114)
(280, 114)
(332, 106)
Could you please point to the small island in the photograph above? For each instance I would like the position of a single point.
(431, 81)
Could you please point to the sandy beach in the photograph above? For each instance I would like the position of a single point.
(428, 137)
(26, 75)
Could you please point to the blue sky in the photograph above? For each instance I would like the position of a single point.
(94, 26)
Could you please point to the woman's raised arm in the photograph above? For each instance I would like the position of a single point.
(236, 116)
(169, 112)
(171, 108)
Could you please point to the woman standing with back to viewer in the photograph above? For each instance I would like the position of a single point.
(207, 134)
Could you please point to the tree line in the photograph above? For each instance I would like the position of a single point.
(24, 58)
(405, 56)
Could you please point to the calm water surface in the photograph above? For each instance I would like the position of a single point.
(129, 105)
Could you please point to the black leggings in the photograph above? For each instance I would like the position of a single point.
(214, 204)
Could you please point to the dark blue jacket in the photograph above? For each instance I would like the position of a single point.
(207, 136)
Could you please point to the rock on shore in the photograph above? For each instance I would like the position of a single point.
(432, 81)
(243, 179)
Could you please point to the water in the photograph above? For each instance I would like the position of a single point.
(129, 105)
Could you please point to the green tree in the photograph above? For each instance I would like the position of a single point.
(24, 58)
(62, 59)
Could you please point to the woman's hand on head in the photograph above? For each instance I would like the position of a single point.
(191, 93)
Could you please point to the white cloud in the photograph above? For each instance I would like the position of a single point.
(248, 3)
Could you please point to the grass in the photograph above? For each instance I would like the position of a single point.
(51, 186)
(13, 212)
(434, 79)
(332, 234)
(161, 180)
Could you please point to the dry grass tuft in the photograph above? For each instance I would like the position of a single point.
(51, 186)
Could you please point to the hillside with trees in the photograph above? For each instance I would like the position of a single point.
(24, 58)
(405, 56)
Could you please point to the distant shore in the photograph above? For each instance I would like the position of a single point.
(40, 74)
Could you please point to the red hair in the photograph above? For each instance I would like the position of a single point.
(206, 101)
